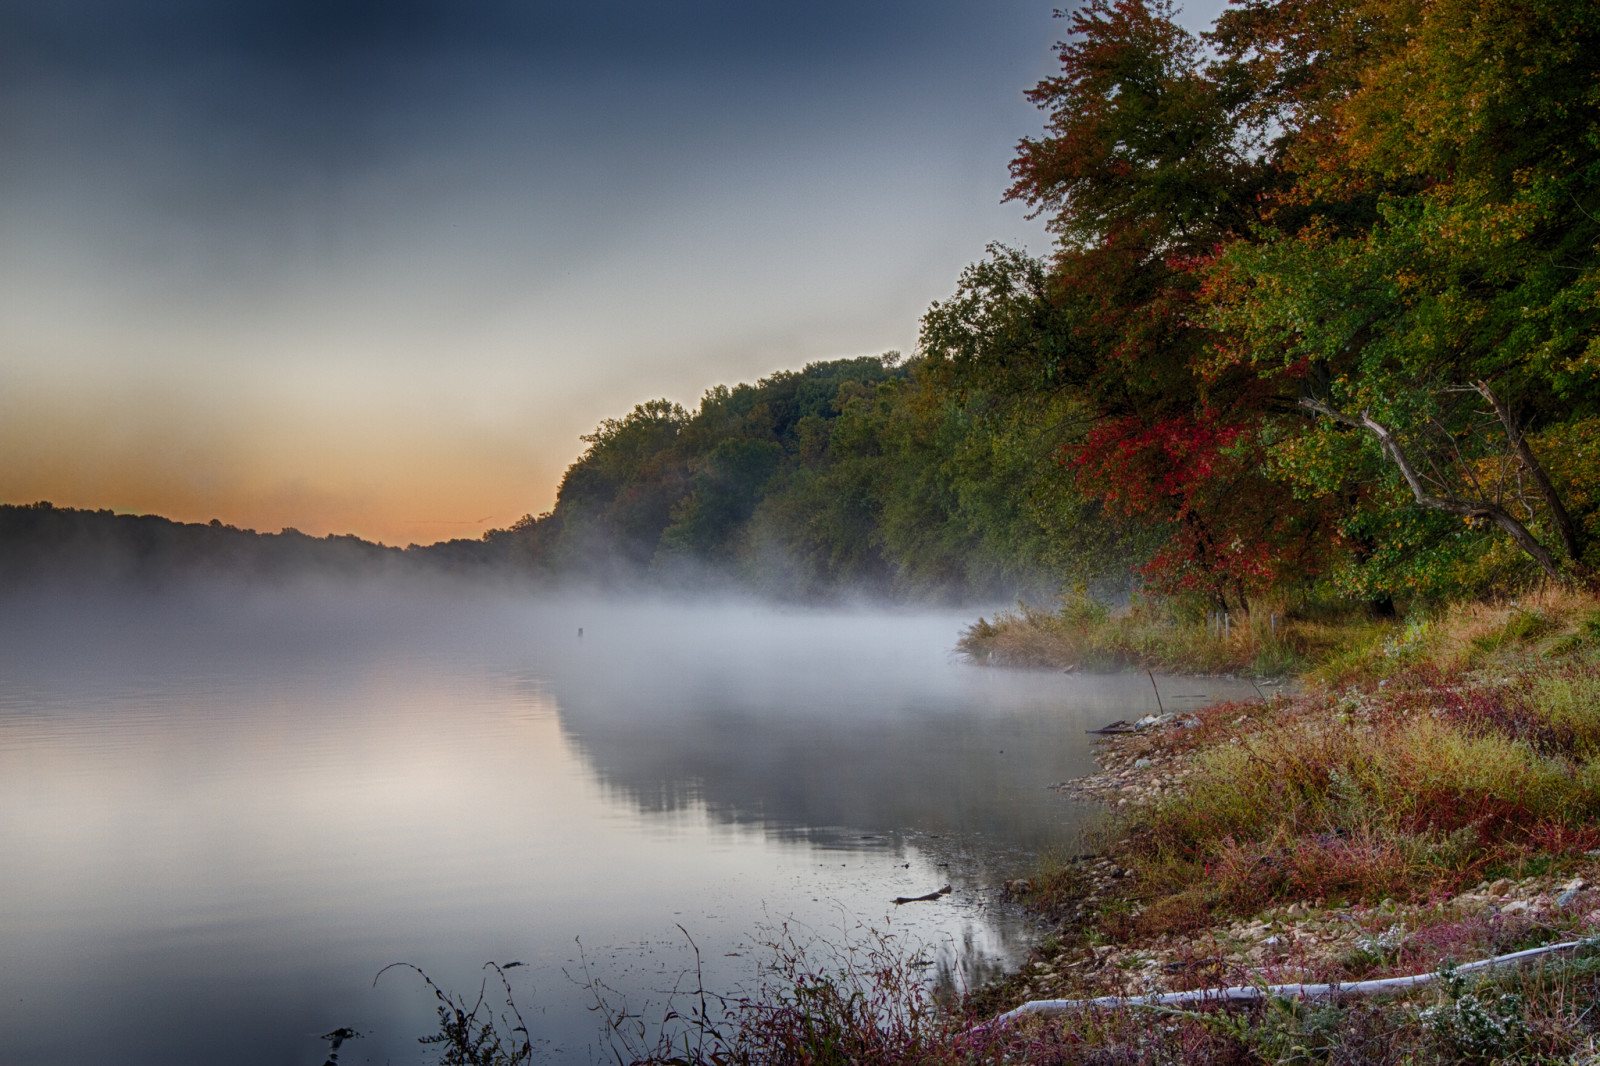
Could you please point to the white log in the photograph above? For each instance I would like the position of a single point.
(1254, 993)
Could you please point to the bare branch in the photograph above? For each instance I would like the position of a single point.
(1571, 538)
(1476, 509)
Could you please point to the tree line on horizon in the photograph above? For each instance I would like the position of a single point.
(1321, 319)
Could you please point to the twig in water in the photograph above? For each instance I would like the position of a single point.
(945, 891)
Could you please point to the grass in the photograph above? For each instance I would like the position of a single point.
(1472, 743)
(1173, 636)
(1378, 810)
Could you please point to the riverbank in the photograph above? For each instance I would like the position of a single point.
(1432, 798)
(1082, 634)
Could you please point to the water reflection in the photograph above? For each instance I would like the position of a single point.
(805, 723)
(220, 816)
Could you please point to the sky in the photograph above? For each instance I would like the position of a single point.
(372, 266)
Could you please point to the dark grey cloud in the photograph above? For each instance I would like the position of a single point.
(244, 121)
(345, 42)
(337, 85)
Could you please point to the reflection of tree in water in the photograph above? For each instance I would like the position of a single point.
(934, 764)
(939, 771)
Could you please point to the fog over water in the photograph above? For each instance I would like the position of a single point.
(222, 811)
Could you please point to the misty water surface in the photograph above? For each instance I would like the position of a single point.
(222, 813)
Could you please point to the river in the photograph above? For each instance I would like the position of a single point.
(223, 811)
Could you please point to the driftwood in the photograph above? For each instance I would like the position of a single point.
(945, 891)
(1256, 993)
(1114, 729)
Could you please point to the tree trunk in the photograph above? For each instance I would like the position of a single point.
(1571, 534)
(1482, 509)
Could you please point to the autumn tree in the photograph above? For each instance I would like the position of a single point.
(1150, 165)
(1434, 270)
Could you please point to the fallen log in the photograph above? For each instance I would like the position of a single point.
(1256, 993)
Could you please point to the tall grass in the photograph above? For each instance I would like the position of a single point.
(1170, 635)
(1411, 805)
(1477, 749)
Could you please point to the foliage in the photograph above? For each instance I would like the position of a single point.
(1433, 271)
(1146, 172)
(1379, 212)
(858, 475)
(1478, 1026)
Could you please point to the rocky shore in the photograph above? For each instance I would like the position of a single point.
(1096, 948)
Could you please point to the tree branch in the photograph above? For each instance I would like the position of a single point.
(1481, 509)
(1571, 538)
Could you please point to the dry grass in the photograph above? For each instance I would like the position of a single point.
(1169, 636)
(1411, 787)
(1464, 636)
(1407, 804)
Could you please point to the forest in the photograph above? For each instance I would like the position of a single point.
(1321, 320)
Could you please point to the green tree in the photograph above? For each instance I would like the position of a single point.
(1441, 285)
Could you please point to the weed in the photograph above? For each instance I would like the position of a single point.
(1160, 634)
(477, 1036)
(822, 1002)
(1478, 1026)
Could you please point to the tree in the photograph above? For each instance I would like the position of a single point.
(1440, 287)
(1150, 166)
